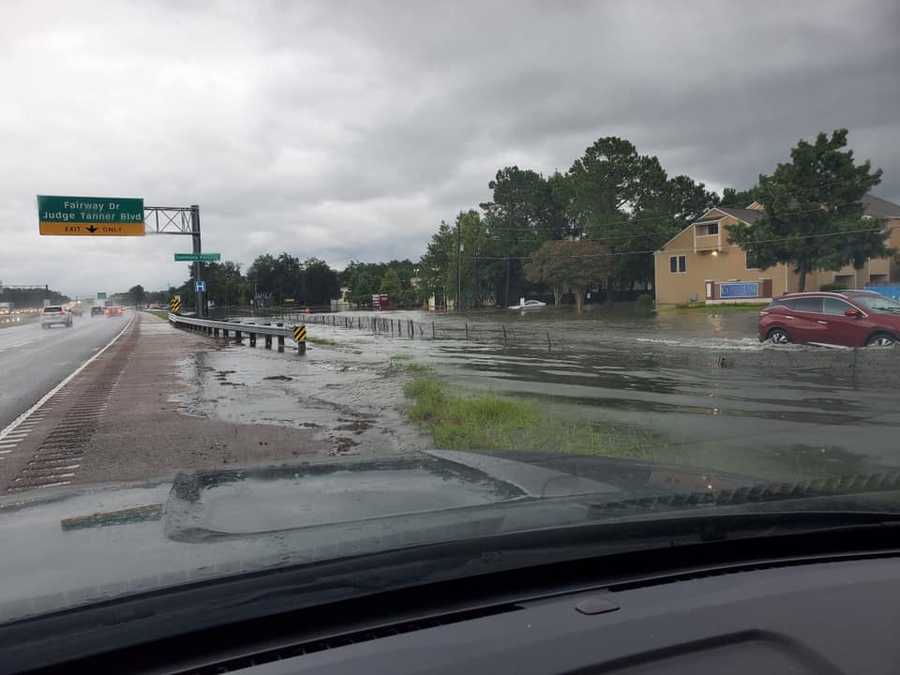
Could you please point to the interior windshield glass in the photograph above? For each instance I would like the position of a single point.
(289, 282)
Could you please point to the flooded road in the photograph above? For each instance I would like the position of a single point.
(700, 382)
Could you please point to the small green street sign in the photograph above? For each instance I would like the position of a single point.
(198, 257)
(90, 216)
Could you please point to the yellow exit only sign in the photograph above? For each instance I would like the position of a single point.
(91, 216)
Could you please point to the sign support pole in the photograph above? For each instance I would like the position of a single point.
(195, 238)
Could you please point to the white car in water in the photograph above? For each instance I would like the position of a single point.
(55, 315)
(528, 304)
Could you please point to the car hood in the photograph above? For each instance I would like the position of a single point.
(70, 548)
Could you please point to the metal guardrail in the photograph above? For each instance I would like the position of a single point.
(236, 330)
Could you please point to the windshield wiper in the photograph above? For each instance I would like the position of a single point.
(852, 487)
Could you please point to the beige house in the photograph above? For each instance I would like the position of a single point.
(700, 265)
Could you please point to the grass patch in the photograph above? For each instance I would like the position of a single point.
(489, 422)
(320, 341)
(159, 313)
(486, 422)
(405, 364)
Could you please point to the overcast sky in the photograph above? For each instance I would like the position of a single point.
(349, 130)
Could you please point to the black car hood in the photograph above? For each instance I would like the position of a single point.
(72, 548)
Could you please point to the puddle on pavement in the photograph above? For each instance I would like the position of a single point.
(355, 407)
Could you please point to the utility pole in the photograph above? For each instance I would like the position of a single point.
(506, 293)
(476, 292)
(459, 303)
(195, 238)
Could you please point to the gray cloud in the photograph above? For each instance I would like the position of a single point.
(350, 131)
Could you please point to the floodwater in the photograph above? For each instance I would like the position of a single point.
(701, 383)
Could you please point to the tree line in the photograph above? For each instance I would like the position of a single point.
(24, 298)
(611, 194)
(599, 223)
(594, 225)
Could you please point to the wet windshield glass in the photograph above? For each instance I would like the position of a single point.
(285, 282)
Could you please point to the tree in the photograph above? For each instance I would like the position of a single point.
(434, 267)
(627, 200)
(320, 283)
(136, 295)
(740, 199)
(813, 211)
(574, 265)
(280, 277)
(390, 284)
(526, 209)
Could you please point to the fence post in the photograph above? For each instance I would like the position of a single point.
(504, 336)
(432, 330)
(237, 337)
(548, 341)
(252, 339)
(281, 343)
(467, 330)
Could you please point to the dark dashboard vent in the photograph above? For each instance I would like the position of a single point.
(343, 640)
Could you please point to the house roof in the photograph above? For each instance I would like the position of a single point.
(879, 208)
(747, 215)
(872, 206)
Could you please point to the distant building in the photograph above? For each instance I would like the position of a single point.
(700, 265)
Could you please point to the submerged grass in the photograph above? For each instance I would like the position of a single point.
(488, 422)
(322, 342)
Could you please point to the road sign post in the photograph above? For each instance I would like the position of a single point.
(90, 216)
(195, 237)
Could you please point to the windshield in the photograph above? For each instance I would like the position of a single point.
(877, 303)
(286, 282)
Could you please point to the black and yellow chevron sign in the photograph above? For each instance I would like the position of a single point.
(299, 333)
(175, 305)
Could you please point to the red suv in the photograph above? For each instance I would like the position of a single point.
(849, 318)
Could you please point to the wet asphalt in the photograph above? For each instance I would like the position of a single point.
(34, 360)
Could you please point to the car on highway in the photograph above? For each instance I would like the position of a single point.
(55, 315)
(96, 310)
(855, 318)
(114, 310)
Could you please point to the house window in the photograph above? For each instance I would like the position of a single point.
(677, 264)
(703, 229)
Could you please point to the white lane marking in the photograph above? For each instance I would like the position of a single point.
(46, 397)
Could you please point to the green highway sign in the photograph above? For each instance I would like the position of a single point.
(90, 216)
(101, 295)
(198, 257)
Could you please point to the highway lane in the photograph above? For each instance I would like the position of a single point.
(34, 360)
